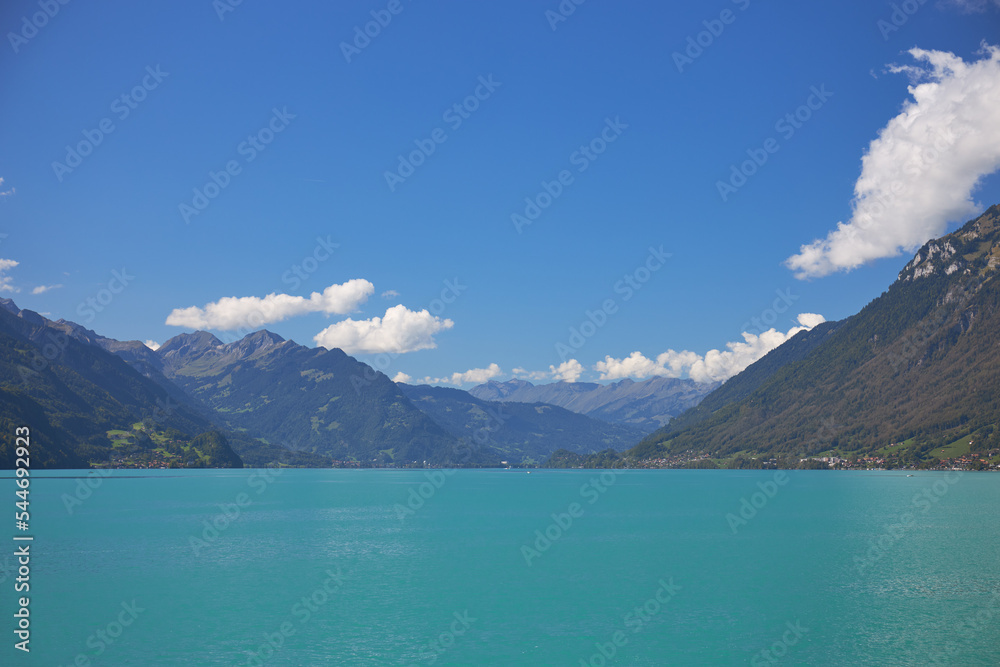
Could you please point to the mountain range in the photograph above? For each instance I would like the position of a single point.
(912, 378)
(308, 399)
(646, 405)
(524, 432)
(198, 401)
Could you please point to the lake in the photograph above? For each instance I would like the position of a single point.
(503, 567)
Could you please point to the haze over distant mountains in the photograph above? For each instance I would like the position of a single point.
(646, 405)
(520, 430)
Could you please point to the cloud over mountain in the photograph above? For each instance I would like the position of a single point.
(5, 283)
(473, 375)
(400, 330)
(568, 371)
(714, 366)
(233, 312)
(919, 174)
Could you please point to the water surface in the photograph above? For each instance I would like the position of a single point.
(382, 567)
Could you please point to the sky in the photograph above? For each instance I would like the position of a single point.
(468, 191)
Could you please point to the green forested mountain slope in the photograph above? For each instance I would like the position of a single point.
(921, 364)
(743, 384)
(308, 399)
(71, 394)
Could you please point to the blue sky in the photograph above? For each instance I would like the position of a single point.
(202, 84)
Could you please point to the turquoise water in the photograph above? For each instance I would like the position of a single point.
(336, 568)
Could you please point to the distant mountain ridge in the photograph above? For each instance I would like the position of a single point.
(645, 405)
(310, 406)
(919, 365)
(531, 431)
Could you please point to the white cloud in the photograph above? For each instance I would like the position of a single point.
(389, 294)
(6, 193)
(5, 281)
(250, 311)
(568, 371)
(41, 289)
(974, 6)
(476, 375)
(525, 374)
(810, 320)
(714, 366)
(152, 344)
(402, 377)
(400, 330)
(473, 375)
(919, 174)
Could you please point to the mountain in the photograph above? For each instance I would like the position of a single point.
(919, 365)
(743, 384)
(646, 405)
(214, 445)
(519, 431)
(307, 399)
(253, 452)
(498, 391)
(138, 356)
(83, 403)
(132, 351)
